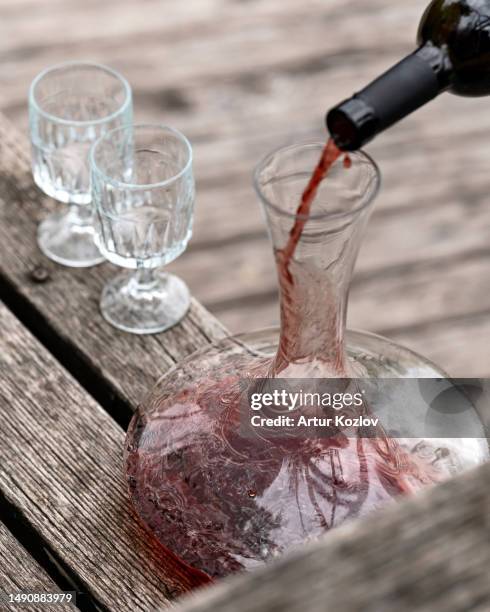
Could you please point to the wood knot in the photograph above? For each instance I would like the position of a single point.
(39, 274)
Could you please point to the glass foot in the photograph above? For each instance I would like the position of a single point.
(63, 239)
(144, 308)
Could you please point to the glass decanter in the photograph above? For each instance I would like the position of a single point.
(223, 500)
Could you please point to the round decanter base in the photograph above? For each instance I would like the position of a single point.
(223, 502)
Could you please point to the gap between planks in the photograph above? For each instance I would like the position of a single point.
(61, 458)
(40, 556)
(64, 311)
(19, 572)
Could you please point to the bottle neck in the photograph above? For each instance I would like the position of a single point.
(407, 86)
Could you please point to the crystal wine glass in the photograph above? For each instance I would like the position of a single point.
(143, 193)
(70, 106)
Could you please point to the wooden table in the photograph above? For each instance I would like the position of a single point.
(69, 383)
(239, 78)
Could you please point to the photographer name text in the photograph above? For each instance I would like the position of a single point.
(299, 401)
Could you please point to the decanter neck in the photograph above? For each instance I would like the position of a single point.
(314, 290)
(315, 247)
(313, 316)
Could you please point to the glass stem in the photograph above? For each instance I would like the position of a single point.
(144, 278)
(81, 214)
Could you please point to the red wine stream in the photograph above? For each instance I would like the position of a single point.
(290, 327)
(329, 156)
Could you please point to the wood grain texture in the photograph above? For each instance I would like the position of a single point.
(427, 272)
(437, 296)
(392, 247)
(429, 554)
(20, 573)
(67, 302)
(241, 78)
(61, 468)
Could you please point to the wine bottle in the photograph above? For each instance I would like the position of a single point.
(453, 55)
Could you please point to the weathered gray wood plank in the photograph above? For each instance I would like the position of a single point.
(428, 554)
(394, 244)
(415, 294)
(240, 78)
(458, 344)
(67, 302)
(206, 37)
(242, 280)
(461, 344)
(19, 572)
(61, 468)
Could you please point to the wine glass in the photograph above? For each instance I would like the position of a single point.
(70, 106)
(143, 193)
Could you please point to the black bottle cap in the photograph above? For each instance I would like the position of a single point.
(351, 124)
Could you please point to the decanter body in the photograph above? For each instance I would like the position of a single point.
(223, 500)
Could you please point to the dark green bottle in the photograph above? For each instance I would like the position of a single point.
(453, 55)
